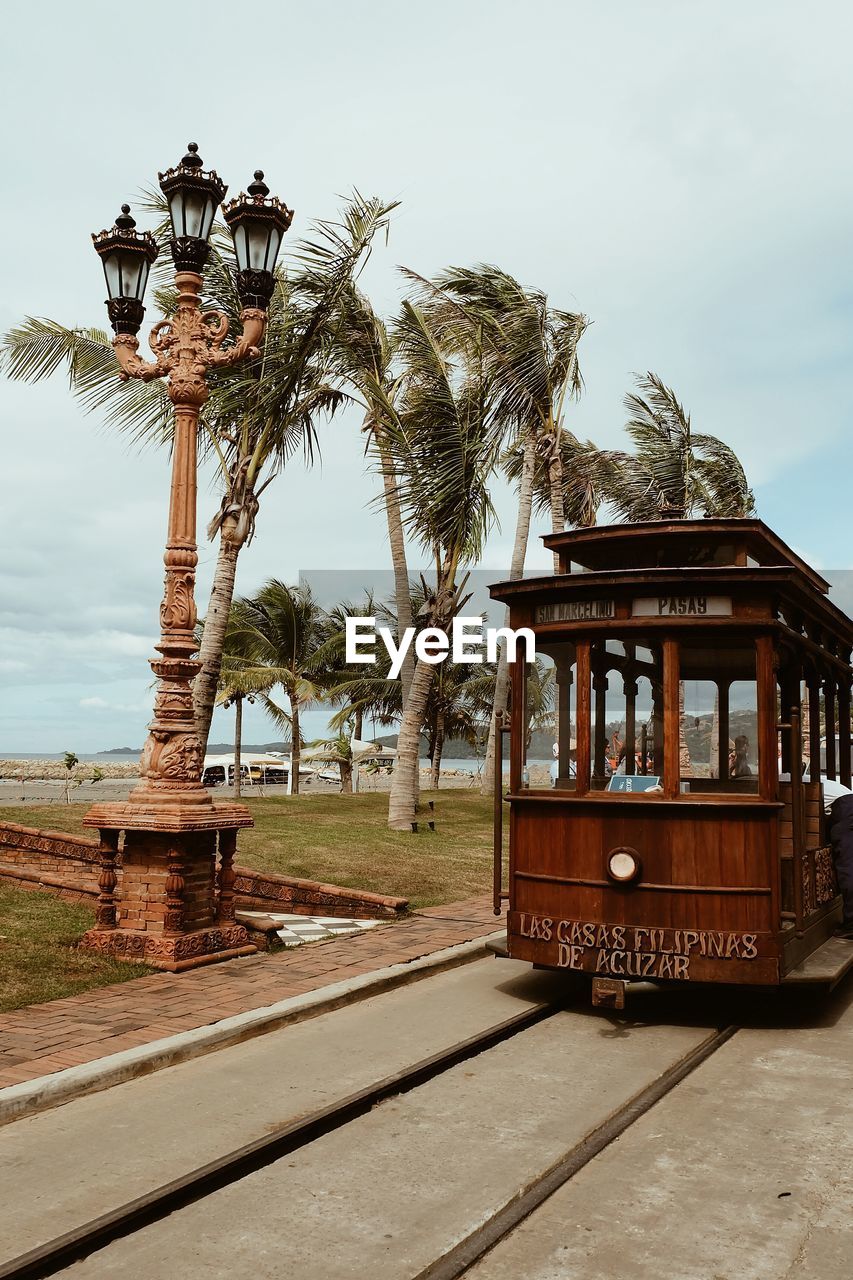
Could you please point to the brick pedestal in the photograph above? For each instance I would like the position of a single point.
(165, 905)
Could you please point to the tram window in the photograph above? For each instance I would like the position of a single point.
(626, 732)
(718, 721)
(699, 736)
(550, 738)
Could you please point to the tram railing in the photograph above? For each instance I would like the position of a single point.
(798, 826)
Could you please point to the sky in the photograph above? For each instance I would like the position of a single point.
(678, 172)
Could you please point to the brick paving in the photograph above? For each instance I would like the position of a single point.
(42, 1038)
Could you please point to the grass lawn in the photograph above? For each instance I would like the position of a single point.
(38, 959)
(344, 840)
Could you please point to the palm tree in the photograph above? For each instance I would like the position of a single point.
(70, 761)
(675, 472)
(241, 678)
(337, 750)
(443, 454)
(364, 354)
(541, 694)
(530, 350)
(584, 473)
(257, 414)
(358, 691)
(284, 629)
(459, 706)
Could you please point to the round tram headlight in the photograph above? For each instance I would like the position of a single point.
(623, 865)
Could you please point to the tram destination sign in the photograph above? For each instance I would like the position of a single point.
(682, 606)
(575, 611)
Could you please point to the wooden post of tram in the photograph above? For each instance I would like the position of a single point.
(813, 685)
(768, 749)
(829, 726)
(583, 754)
(844, 761)
(671, 720)
(798, 826)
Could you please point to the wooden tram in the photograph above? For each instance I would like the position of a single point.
(701, 673)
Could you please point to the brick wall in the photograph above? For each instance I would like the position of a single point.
(264, 891)
(66, 865)
(52, 861)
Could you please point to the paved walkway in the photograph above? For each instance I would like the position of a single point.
(65, 1033)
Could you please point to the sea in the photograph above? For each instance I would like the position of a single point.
(113, 757)
(85, 757)
(473, 766)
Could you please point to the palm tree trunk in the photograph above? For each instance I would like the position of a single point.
(295, 747)
(213, 637)
(402, 803)
(345, 767)
(358, 727)
(438, 747)
(238, 742)
(402, 592)
(555, 484)
(519, 552)
(397, 542)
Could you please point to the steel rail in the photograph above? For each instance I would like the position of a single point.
(456, 1261)
(126, 1219)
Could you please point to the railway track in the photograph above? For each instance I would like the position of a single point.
(172, 1198)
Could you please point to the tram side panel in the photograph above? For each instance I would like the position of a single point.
(704, 907)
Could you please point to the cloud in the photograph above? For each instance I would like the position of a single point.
(674, 175)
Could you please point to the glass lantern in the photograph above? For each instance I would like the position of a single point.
(193, 196)
(257, 224)
(126, 255)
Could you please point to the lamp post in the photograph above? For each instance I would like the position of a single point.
(168, 912)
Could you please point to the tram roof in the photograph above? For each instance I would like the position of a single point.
(692, 544)
(670, 554)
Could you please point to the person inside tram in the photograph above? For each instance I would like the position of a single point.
(739, 757)
(838, 803)
(571, 767)
(838, 807)
(841, 841)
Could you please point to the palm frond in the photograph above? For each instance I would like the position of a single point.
(39, 348)
(723, 479)
(441, 447)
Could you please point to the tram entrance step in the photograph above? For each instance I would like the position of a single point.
(826, 966)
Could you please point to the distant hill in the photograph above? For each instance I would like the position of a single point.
(697, 734)
(456, 749)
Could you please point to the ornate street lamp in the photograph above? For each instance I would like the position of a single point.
(168, 913)
(257, 225)
(126, 257)
(193, 196)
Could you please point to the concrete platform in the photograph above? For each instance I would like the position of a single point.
(149, 1131)
(744, 1172)
(383, 1197)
